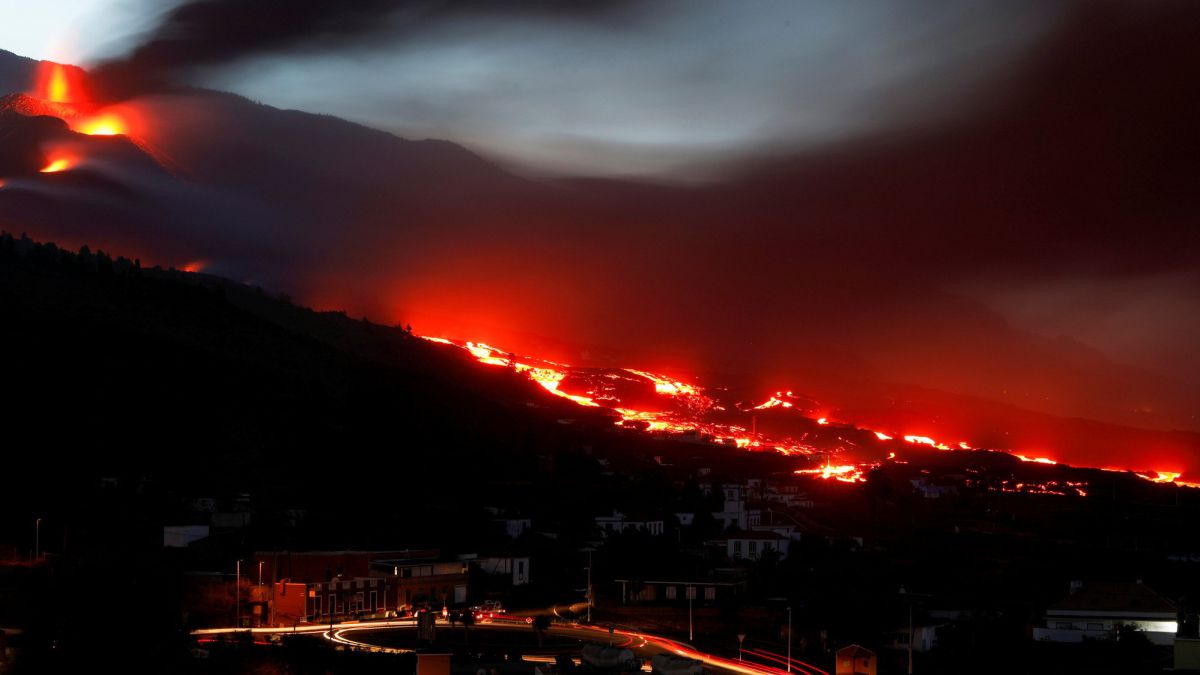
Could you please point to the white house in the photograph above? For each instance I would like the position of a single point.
(753, 545)
(515, 568)
(1096, 610)
(619, 522)
(515, 527)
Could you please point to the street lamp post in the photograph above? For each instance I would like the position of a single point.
(741, 638)
(789, 653)
(910, 638)
(260, 564)
(37, 539)
(589, 586)
(237, 594)
(691, 635)
(910, 629)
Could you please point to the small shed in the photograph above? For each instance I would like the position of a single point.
(855, 660)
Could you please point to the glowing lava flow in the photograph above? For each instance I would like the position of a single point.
(104, 124)
(57, 165)
(846, 473)
(58, 83)
(683, 411)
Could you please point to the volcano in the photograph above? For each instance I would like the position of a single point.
(699, 286)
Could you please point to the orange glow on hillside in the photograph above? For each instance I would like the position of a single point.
(1161, 476)
(846, 473)
(686, 412)
(58, 165)
(104, 124)
(195, 266)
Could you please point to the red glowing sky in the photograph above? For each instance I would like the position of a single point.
(892, 277)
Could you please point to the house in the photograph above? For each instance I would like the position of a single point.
(855, 660)
(924, 636)
(514, 569)
(678, 592)
(931, 490)
(1097, 610)
(514, 527)
(619, 522)
(786, 531)
(735, 512)
(754, 545)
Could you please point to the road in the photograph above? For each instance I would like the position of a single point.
(645, 645)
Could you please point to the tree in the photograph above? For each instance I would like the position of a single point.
(468, 620)
(541, 623)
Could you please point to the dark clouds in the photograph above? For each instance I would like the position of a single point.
(206, 33)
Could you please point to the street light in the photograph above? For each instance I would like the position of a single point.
(589, 585)
(789, 654)
(910, 630)
(741, 638)
(691, 595)
(237, 594)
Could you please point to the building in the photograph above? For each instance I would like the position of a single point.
(619, 522)
(754, 545)
(855, 660)
(513, 569)
(514, 527)
(1096, 610)
(319, 585)
(735, 512)
(701, 592)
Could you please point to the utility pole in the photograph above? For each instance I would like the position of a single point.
(37, 540)
(789, 654)
(589, 586)
(910, 638)
(910, 629)
(237, 594)
(691, 596)
(260, 564)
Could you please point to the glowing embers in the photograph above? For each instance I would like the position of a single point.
(846, 473)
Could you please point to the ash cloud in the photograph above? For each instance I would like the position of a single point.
(207, 33)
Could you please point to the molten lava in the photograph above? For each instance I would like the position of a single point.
(104, 124)
(692, 413)
(59, 84)
(58, 165)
